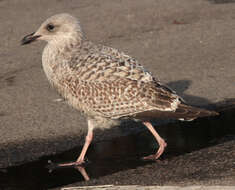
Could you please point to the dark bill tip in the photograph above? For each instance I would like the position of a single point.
(29, 38)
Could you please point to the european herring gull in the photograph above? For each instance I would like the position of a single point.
(105, 83)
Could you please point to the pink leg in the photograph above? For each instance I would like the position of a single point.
(161, 142)
(89, 138)
(81, 157)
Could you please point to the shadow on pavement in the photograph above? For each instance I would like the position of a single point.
(124, 153)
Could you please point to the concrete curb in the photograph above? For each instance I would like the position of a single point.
(138, 187)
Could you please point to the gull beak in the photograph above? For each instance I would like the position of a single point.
(29, 38)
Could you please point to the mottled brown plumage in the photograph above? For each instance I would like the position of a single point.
(104, 83)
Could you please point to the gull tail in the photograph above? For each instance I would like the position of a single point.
(188, 113)
(183, 112)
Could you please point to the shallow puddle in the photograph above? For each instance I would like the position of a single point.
(122, 153)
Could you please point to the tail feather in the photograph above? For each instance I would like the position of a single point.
(183, 112)
(186, 112)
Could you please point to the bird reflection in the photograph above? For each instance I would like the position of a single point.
(81, 168)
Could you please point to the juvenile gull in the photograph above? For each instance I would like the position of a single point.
(104, 83)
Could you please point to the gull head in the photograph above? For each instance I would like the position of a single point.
(60, 27)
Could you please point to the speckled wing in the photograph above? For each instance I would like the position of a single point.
(114, 85)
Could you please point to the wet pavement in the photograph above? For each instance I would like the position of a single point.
(106, 158)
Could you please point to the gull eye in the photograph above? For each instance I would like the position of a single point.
(50, 27)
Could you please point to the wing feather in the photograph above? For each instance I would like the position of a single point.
(114, 85)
